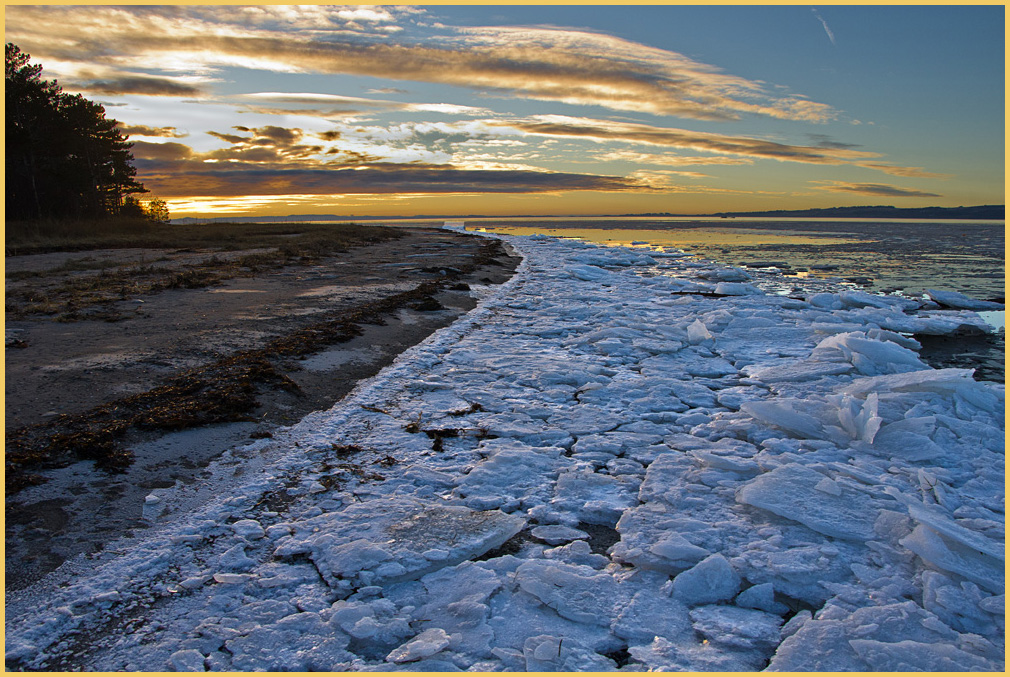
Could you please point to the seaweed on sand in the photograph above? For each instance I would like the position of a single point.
(223, 391)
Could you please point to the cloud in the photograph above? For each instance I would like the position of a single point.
(144, 130)
(825, 141)
(831, 36)
(908, 172)
(311, 98)
(146, 86)
(874, 189)
(671, 160)
(606, 130)
(234, 179)
(274, 160)
(161, 152)
(544, 64)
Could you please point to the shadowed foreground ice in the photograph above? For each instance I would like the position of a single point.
(620, 460)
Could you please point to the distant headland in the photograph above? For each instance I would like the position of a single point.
(872, 212)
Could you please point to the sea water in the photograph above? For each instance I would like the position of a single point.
(884, 255)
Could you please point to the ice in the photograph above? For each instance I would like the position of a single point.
(578, 593)
(929, 380)
(594, 498)
(516, 475)
(547, 653)
(958, 605)
(825, 645)
(556, 534)
(737, 289)
(783, 414)
(648, 545)
(613, 462)
(869, 356)
(909, 656)
(725, 275)
(297, 643)
(954, 557)
(652, 613)
(250, 529)
(697, 332)
(735, 627)
(861, 299)
(761, 597)
(952, 299)
(790, 491)
(188, 660)
(426, 644)
(710, 580)
(385, 539)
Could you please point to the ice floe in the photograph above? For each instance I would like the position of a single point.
(620, 459)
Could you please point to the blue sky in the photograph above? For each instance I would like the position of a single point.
(563, 109)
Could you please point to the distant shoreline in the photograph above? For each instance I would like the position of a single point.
(979, 212)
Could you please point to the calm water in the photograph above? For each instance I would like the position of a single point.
(882, 255)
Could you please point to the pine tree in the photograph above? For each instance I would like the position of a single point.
(65, 159)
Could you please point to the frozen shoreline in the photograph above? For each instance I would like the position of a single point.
(776, 471)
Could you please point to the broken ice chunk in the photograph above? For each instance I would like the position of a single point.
(948, 546)
(648, 544)
(556, 534)
(824, 645)
(710, 580)
(737, 289)
(248, 529)
(652, 614)
(727, 274)
(153, 508)
(235, 559)
(697, 332)
(595, 498)
(578, 593)
(428, 643)
(547, 653)
(909, 656)
(927, 380)
(955, 557)
(868, 356)
(359, 539)
(517, 474)
(959, 606)
(676, 548)
(737, 628)
(790, 491)
(952, 299)
(188, 660)
(761, 597)
(784, 415)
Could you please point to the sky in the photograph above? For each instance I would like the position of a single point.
(368, 110)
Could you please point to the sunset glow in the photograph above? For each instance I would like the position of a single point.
(455, 110)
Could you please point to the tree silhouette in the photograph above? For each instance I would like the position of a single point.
(157, 211)
(65, 159)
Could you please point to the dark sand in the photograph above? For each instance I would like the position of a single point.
(69, 368)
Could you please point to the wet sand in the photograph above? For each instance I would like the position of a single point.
(69, 368)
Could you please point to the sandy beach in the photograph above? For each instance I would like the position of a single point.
(59, 372)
